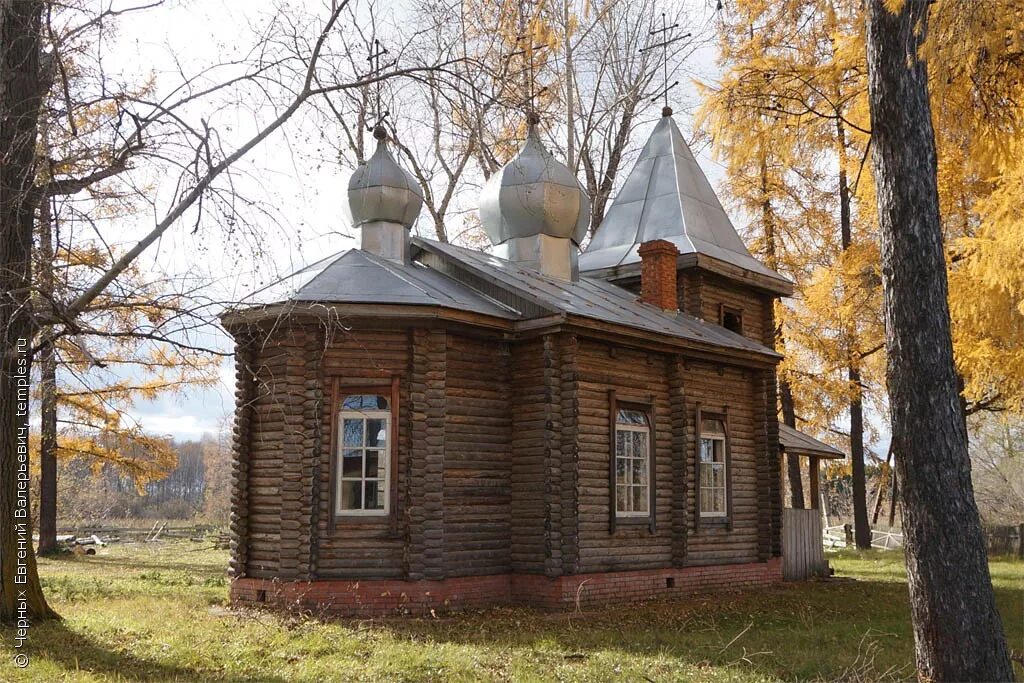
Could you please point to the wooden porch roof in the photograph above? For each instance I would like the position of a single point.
(798, 443)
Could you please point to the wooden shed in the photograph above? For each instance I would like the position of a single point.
(802, 545)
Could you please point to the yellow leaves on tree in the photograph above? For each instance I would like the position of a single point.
(103, 374)
(794, 74)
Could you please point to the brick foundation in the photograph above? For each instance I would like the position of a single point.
(346, 597)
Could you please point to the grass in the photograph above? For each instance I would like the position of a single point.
(159, 612)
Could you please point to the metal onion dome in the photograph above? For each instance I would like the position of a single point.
(534, 194)
(382, 191)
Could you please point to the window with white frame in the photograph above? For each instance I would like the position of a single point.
(712, 469)
(364, 455)
(632, 463)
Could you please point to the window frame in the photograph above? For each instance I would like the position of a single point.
(715, 518)
(616, 518)
(341, 391)
(701, 464)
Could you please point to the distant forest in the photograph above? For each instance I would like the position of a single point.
(197, 488)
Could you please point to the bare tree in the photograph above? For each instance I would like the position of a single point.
(289, 64)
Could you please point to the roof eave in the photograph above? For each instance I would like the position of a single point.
(779, 286)
(311, 310)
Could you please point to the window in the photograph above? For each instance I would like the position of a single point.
(364, 455)
(732, 320)
(632, 463)
(712, 462)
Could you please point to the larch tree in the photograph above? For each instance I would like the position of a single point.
(957, 629)
(134, 325)
(793, 88)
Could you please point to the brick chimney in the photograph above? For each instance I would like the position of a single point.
(658, 274)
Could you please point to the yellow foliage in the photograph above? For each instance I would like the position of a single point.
(794, 70)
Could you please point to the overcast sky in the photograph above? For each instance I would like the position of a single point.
(291, 172)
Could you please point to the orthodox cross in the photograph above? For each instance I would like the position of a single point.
(376, 69)
(663, 35)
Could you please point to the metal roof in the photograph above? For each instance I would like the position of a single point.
(356, 276)
(798, 443)
(466, 280)
(381, 190)
(667, 196)
(591, 298)
(532, 194)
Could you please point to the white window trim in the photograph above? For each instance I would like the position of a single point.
(646, 429)
(363, 415)
(725, 478)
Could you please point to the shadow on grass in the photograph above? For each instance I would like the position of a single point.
(54, 642)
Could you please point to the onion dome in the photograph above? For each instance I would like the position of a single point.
(382, 191)
(534, 194)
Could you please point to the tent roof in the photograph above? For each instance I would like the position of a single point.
(667, 196)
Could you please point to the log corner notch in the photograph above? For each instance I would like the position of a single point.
(245, 394)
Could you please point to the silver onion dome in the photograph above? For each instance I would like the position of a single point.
(382, 191)
(534, 194)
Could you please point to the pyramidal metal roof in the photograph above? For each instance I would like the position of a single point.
(667, 196)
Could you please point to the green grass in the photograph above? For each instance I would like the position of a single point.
(159, 612)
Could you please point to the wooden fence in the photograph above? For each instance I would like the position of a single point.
(802, 553)
(1005, 540)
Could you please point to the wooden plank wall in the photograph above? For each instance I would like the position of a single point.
(802, 551)
(477, 458)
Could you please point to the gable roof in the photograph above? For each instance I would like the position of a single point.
(667, 196)
(798, 443)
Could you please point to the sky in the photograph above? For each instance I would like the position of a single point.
(294, 173)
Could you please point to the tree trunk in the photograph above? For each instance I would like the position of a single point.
(957, 630)
(885, 479)
(48, 394)
(20, 592)
(796, 484)
(860, 489)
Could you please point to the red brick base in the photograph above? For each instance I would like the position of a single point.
(389, 597)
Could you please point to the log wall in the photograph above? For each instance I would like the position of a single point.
(639, 377)
(721, 389)
(370, 547)
(477, 458)
(504, 452)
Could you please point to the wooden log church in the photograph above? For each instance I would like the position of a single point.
(425, 427)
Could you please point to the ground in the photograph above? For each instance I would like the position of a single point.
(159, 612)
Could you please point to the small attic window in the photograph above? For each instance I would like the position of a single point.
(732, 320)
